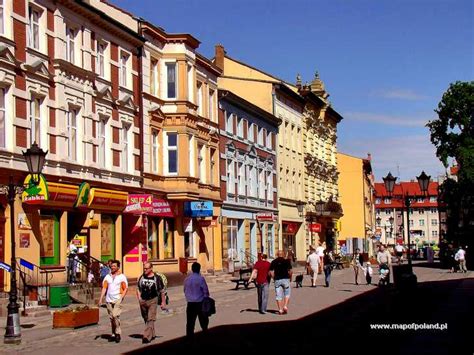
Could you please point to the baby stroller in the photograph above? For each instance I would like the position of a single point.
(384, 275)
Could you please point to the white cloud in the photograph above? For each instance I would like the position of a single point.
(399, 94)
(404, 156)
(406, 121)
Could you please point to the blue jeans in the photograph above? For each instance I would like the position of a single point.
(282, 289)
(262, 293)
(327, 274)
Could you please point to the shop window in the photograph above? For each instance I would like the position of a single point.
(107, 237)
(168, 239)
(49, 239)
(189, 245)
(153, 237)
(232, 228)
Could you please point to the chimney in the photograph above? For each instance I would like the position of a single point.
(219, 56)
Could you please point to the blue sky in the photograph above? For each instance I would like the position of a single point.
(385, 63)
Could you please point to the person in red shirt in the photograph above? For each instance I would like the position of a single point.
(262, 281)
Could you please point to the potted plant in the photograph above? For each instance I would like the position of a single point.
(75, 317)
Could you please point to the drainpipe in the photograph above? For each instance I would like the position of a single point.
(140, 103)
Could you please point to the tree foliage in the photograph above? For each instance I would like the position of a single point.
(453, 132)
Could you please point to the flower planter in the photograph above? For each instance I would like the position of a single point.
(75, 318)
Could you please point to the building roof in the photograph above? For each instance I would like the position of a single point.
(248, 106)
(411, 188)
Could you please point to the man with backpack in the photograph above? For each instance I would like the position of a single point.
(150, 285)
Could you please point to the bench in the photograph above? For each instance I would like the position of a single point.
(244, 276)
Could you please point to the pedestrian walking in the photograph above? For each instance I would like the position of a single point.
(328, 266)
(357, 262)
(368, 271)
(195, 290)
(262, 280)
(290, 255)
(460, 257)
(313, 264)
(281, 272)
(114, 288)
(72, 261)
(451, 258)
(104, 270)
(384, 258)
(150, 285)
(320, 251)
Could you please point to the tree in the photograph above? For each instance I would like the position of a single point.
(453, 132)
(453, 136)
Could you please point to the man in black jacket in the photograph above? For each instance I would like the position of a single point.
(149, 286)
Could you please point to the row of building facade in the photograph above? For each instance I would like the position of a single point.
(158, 153)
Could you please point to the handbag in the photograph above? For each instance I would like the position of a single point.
(208, 307)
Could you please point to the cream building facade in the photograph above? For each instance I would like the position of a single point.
(356, 187)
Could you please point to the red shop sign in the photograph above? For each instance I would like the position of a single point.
(315, 227)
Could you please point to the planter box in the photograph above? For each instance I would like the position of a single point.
(75, 319)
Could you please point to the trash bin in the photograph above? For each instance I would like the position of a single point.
(183, 265)
(59, 296)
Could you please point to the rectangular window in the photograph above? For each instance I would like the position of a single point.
(212, 166)
(72, 134)
(270, 186)
(250, 132)
(232, 228)
(35, 121)
(70, 44)
(388, 212)
(172, 153)
(434, 222)
(229, 126)
(253, 181)
(230, 176)
(171, 80)
(387, 200)
(261, 184)
(33, 28)
(123, 69)
(2, 20)
(260, 136)
(211, 104)
(242, 179)
(192, 154)
(199, 98)
(421, 211)
(190, 84)
(269, 140)
(168, 239)
(102, 136)
(422, 222)
(154, 151)
(2, 119)
(125, 146)
(202, 163)
(420, 199)
(154, 77)
(240, 127)
(434, 234)
(434, 210)
(100, 60)
(411, 223)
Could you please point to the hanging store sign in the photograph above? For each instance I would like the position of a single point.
(102, 199)
(83, 195)
(162, 208)
(139, 203)
(198, 208)
(35, 193)
(265, 216)
(315, 227)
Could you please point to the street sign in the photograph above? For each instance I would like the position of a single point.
(5, 267)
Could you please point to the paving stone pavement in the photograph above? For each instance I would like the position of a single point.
(237, 309)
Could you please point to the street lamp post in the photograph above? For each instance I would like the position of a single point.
(35, 158)
(423, 182)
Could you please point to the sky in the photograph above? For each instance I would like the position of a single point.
(385, 63)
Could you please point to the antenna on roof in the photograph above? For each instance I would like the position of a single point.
(398, 170)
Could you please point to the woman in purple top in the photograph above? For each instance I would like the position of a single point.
(195, 290)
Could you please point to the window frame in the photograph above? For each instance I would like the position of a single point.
(125, 158)
(102, 133)
(71, 44)
(73, 113)
(34, 37)
(168, 150)
(100, 59)
(3, 117)
(35, 121)
(123, 77)
(171, 85)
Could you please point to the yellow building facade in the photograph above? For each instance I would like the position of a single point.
(356, 187)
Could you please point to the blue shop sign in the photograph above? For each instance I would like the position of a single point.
(198, 209)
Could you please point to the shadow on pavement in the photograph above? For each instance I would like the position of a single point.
(348, 324)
